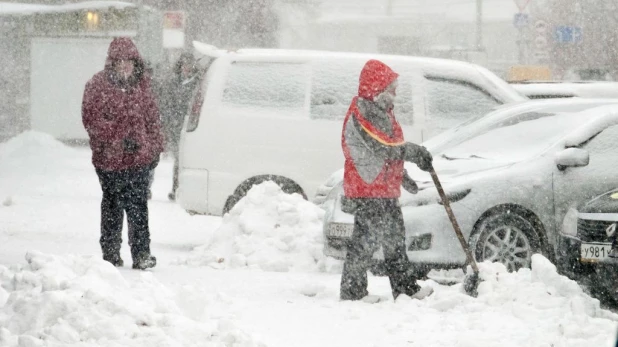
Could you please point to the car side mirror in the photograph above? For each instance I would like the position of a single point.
(572, 157)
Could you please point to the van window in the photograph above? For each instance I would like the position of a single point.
(275, 87)
(451, 101)
(197, 101)
(335, 83)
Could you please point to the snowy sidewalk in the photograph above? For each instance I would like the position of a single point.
(256, 277)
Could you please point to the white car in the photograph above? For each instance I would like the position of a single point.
(510, 176)
(559, 89)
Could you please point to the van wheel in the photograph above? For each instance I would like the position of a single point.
(287, 185)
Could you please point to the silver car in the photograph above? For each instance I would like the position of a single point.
(510, 176)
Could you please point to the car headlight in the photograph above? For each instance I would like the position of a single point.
(569, 224)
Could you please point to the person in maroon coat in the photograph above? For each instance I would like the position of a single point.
(121, 117)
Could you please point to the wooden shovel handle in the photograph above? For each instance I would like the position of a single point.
(451, 216)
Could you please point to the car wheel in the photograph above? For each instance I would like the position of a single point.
(507, 238)
(287, 185)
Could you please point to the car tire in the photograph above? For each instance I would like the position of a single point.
(508, 238)
(287, 185)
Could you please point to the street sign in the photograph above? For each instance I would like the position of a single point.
(521, 4)
(520, 20)
(174, 20)
(568, 34)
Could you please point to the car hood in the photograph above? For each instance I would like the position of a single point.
(606, 203)
(455, 170)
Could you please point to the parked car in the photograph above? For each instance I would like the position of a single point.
(559, 89)
(266, 114)
(585, 241)
(588, 74)
(510, 176)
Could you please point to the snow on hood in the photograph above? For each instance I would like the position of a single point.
(84, 301)
(268, 229)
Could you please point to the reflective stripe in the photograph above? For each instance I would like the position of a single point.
(609, 217)
(379, 139)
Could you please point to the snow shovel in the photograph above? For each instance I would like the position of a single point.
(471, 281)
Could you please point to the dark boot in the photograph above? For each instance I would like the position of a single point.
(144, 261)
(114, 259)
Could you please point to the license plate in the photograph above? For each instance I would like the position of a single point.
(594, 251)
(340, 230)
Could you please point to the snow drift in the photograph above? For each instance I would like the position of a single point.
(84, 301)
(268, 229)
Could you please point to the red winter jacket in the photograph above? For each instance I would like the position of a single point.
(114, 110)
(371, 140)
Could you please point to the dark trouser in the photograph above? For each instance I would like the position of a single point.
(124, 191)
(377, 223)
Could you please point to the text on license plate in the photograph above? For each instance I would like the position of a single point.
(594, 251)
(340, 230)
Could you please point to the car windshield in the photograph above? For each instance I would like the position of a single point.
(501, 116)
(516, 138)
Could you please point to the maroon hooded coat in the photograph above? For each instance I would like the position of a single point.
(115, 110)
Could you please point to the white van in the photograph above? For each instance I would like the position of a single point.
(265, 114)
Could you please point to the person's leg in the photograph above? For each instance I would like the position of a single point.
(137, 218)
(150, 181)
(360, 249)
(398, 266)
(112, 217)
(172, 194)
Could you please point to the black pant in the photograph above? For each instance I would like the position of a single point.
(124, 191)
(377, 223)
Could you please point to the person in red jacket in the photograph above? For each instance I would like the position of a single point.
(374, 151)
(121, 117)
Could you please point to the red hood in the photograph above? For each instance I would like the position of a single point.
(122, 48)
(374, 79)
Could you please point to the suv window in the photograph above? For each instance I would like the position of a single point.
(451, 101)
(335, 82)
(276, 87)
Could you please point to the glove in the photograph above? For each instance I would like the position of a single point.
(408, 183)
(155, 162)
(418, 155)
(130, 145)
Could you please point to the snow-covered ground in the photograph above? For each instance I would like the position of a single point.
(256, 277)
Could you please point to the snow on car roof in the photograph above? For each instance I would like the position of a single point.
(213, 51)
(589, 89)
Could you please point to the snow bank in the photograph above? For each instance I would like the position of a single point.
(34, 163)
(268, 229)
(531, 307)
(85, 301)
(33, 146)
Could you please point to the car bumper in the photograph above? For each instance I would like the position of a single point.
(570, 263)
(192, 194)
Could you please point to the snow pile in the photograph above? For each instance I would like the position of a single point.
(32, 147)
(268, 229)
(84, 301)
(35, 164)
(551, 309)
